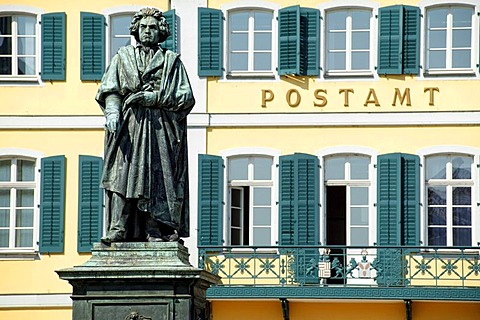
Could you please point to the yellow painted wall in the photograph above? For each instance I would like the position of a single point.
(37, 314)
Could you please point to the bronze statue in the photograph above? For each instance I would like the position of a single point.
(146, 96)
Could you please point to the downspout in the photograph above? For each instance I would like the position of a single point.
(285, 309)
(408, 309)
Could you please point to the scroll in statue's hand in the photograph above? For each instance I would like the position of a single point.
(142, 98)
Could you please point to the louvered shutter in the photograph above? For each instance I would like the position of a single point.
(53, 46)
(410, 219)
(52, 204)
(210, 42)
(289, 40)
(210, 200)
(90, 202)
(287, 201)
(309, 41)
(92, 44)
(411, 40)
(390, 28)
(171, 42)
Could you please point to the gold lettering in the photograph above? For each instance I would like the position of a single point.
(371, 98)
(431, 90)
(266, 98)
(289, 98)
(406, 94)
(345, 98)
(318, 95)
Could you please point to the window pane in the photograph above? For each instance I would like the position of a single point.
(437, 216)
(3, 238)
(462, 17)
(26, 66)
(462, 167)
(25, 198)
(239, 21)
(361, 19)
(24, 218)
(5, 65)
(262, 61)
(335, 168)
(5, 170)
(262, 196)
(120, 24)
(4, 218)
(462, 38)
(5, 198)
(360, 40)
(462, 216)
(238, 169)
(336, 61)
(461, 58)
(436, 167)
(262, 168)
(437, 236)
(25, 170)
(261, 236)
(359, 216)
(263, 20)
(462, 195)
(437, 195)
(26, 25)
(359, 236)
(360, 60)
(26, 46)
(261, 217)
(236, 197)
(337, 40)
(263, 41)
(359, 167)
(24, 238)
(117, 43)
(5, 26)
(336, 20)
(437, 59)
(437, 18)
(238, 41)
(239, 61)
(235, 237)
(236, 218)
(359, 196)
(5, 45)
(462, 236)
(437, 39)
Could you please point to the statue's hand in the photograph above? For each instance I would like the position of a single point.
(111, 122)
(143, 98)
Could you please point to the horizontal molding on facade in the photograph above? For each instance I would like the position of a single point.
(35, 300)
(357, 119)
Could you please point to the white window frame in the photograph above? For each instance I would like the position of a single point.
(23, 154)
(449, 30)
(273, 183)
(444, 151)
(15, 10)
(251, 5)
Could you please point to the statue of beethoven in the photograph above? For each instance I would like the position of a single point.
(146, 96)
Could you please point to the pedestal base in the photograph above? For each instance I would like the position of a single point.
(135, 281)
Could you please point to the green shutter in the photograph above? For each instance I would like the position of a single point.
(52, 204)
(90, 202)
(411, 40)
(171, 42)
(299, 212)
(410, 219)
(390, 29)
(92, 38)
(289, 40)
(53, 46)
(210, 42)
(309, 41)
(210, 200)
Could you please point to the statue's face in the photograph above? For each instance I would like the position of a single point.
(148, 32)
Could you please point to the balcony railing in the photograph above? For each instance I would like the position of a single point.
(342, 266)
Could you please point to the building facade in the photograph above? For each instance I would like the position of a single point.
(333, 153)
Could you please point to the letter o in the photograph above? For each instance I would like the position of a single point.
(289, 98)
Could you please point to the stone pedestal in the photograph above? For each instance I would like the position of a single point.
(139, 281)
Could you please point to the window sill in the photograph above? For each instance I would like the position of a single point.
(449, 72)
(345, 74)
(19, 81)
(25, 255)
(252, 75)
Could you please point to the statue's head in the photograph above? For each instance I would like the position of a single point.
(149, 27)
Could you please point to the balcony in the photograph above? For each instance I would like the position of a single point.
(344, 272)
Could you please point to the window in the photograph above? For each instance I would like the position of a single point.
(250, 41)
(347, 188)
(250, 204)
(348, 40)
(18, 49)
(120, 33)
(449, 39)
(450, 190)
(18, 188)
